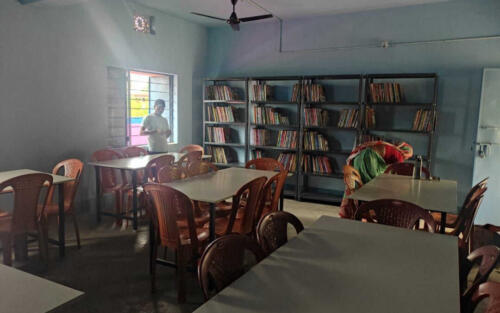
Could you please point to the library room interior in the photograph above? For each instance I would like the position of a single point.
(249, 156)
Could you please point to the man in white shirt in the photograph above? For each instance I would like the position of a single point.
(156, 128)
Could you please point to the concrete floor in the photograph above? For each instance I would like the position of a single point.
(112, 267)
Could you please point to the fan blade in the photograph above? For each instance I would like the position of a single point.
(204, 15)
(254, 18)
(235, 27)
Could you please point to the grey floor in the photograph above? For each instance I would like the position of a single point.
(112, 267)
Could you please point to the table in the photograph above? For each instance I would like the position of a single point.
(21, 292)
(433, 195)
(346, 266)
(57, 180)
(217, 186)
(130, 164)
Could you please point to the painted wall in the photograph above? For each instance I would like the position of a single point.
(53, 62)
(254, 51)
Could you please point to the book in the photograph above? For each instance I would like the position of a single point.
(423, 121)
(314, 93)
(316, 164)
(218, 113)
(287, 139)
(218, 134)
(315, 117)
(220, 154)
(221, 92)
(259, 137)
(262, 92)
(349, 118)
(370, 118)
(315, 141)
(386, 93)
(289, 161)
(257, 154)
(271, 116)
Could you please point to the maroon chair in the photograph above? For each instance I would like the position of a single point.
(486, 257)
(396, 213)
(271, 194)
(490, 290)
(189, 158)
(484, 235)
(272, 230)
(190, 148)
(266, 164)
(405, 169)
(153, 166)
(224, 260)
(465, 222)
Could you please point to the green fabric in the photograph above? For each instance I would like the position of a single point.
(369, 164)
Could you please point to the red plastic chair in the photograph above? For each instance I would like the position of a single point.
(191, 148)
(266, 164)
(190, 157)
(271, 194)
(396, 213)
(405, 169)
(272, 230)
(25, 217)
(134, 151)
(490, 290)
(153, 166)
(224, 260)
(71, 168)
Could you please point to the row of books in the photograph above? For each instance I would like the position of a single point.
(423, 121)
(316, 164)
(370, 117)
(315, 117)
(259, 137)
(262, 92)
(349, 118)
(218, 134)
(289, 161)
(220, 154)
(220, 92)
(310, 93)
(271, 116)
(386, 92)
(217, 113)
(287, 139)
(257, 154)
(315, 141)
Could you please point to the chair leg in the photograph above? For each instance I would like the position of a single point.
(7, 250)
(77, 231)
(21, 247)
(181, 270)
(118, 206)
(43, 243)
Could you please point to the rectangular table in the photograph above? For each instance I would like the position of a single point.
(129, 164)
(346, 266)
(21, 292)
(433, 195)
(57, 180)
(217, 186)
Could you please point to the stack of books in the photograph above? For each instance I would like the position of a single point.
(220, 113)
(314, 93)
(423, 121)
(270, 116)
(219, 154)
(289, 161)
(370, 117)
(295, 93)
(315, 141)
(348, 118)
(218, 134)
(259, 137)
(386, 93)
(287, 139)
(315, 117)
(221, 92)
(262, 92)
(316, 164)
(257, 154)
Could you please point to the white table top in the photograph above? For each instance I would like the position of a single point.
(433, 195)
(217, 186)
(137, 163)
(21, 292)
(57, 179)
(345, 266)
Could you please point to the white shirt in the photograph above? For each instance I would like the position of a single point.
(157, 142)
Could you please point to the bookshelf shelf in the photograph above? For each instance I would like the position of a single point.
(340, 103)
(275, 126)
(276, 102)
(272, 148)
(225, 123)
(226, 144)
(331, 127)
(226, 101)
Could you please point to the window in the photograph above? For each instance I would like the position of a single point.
(143, 89)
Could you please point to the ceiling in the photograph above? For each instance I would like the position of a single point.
(285, 9)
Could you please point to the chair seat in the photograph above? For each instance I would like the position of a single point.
(451, 219)
(201, 233)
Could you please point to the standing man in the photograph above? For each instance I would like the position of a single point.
(156, 128)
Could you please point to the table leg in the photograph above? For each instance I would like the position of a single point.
(282, 200)
(98, 193)
(134, 198)
(212, 221)
(62, 244)
(443, 222)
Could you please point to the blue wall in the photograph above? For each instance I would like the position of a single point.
(254, 51)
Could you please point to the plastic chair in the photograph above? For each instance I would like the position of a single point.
(405, 169)
(71, 168)
(271, 194)
(272, 230)
(190, 157)
(191, 148)
(486, 257)
(465, 221)
(169, 174)
(266, 164)
(134, 151)
(25, 216)
(396, 213)
(199, 167)
(224, 260)
(187, 241)
(483, 235)
(490, 290)
(153, 166)
(352, 181)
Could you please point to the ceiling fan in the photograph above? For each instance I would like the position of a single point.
(233, 20)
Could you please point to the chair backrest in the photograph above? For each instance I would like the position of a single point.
(200, 167)
(483, 235)
(465, 219)
(247, 200)
(166, 204)
(405, 169)
(486, 257)
(190, 157)
(134, 151)
(153, 166)
(490, 290)
(266, 164)
(168, 174)
(109, 178)
(26, 189)
(224, 261)
(190, 148)
(272, 230)
(396, 213)
(71, 168)
(271, 194)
